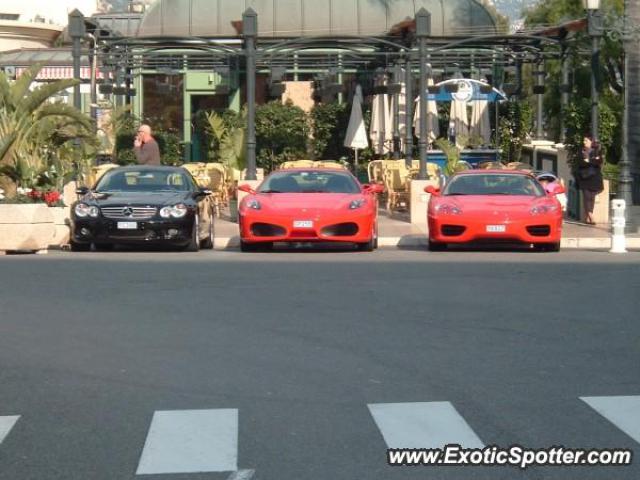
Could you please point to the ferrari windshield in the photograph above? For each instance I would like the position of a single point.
(309, 181)
(145, 180)
(494, 184)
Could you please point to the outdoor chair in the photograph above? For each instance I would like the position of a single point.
(97, 172)
(328, 164)
(297, 164)
(397, 181)
(218, 185)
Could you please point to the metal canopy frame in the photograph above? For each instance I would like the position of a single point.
(410, 49)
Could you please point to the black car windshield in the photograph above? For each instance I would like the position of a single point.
(303, 181)
(494, 184)
(145, 180)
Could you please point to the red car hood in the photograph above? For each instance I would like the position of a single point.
(490, 205)
(311, 202)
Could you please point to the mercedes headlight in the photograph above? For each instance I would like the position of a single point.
(82, 210)
(175, 211)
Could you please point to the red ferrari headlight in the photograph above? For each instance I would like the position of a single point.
(447, 209)
(542, 209)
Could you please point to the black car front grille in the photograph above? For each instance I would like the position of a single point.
(348, 229)
(452, 230)
(267, 230)
(539, 230)
(125, 212)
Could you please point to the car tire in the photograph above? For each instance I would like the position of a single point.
(248, 247)
(207, 243)
(367, 246)
(80, 247)
(194, 243)
(436, 246)
(103, 247)
(548, 247)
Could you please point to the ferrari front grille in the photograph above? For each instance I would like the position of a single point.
(348, 229)
(267, 230)
(124, 212)
(539, 230)
(452, 230)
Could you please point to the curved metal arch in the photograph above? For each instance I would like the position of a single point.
(300, 41)
(174, 42)
(483, 38)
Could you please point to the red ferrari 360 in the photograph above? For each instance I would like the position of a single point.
(309, 205)
(495, 206)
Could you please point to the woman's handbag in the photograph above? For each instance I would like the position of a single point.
(588, 172)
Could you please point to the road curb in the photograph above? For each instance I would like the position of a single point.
(420, 241)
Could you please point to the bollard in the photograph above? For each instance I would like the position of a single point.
(618, 240)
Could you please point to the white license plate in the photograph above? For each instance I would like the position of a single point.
(127, 225)
(302, 224)
(496, 228)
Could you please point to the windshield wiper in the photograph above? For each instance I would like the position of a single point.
(269, 191)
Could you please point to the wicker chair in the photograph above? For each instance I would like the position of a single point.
(397, 179)
(217, 174)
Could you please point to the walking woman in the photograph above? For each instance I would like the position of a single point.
(589, 176)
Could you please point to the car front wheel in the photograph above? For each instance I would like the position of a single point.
(194, 243)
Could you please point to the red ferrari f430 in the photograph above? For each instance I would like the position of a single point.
(309, 205)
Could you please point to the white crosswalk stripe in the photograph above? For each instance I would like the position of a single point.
(191, 441)
(423, 425)
(622, 411)
(6, 424)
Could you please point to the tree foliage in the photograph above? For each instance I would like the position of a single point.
(329, 124)
(282, 132)
(36, 133)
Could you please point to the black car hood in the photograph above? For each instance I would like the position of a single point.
(116, 199)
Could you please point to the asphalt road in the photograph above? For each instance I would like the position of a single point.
(297, 346)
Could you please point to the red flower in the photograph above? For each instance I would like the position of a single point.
(51, 198)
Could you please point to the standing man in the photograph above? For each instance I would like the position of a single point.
(145, 147)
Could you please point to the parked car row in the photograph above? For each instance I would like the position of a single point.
(144, 205)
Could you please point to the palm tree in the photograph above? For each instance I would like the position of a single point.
(25, 111)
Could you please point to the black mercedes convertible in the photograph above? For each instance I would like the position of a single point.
(143, 205)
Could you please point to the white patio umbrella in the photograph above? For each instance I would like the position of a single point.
(402, 121)
(381, 128)
(356, 136)
(433, 126)
(480, 123)
(458, 116)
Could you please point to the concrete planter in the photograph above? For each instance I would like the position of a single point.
(61, 221)
(26, 227)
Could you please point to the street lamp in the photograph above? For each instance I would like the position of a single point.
(596, 29)
(594, 17)
(423, 30)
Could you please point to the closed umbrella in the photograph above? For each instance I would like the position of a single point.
(433, 126)
(402, 109)
(459, 120)
(356, 137)
(480, 123)
(381, 128)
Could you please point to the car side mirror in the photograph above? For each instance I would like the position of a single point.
(82, 191)
(373, 188)
(203, 192)
(432, 190)
(246, 188)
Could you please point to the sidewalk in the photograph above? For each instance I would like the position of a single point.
(396, 231)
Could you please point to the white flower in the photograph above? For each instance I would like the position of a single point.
(24, 191)
(2, 197)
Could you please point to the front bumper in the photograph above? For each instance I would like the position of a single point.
(536, 229)
(154, 231)
(256, 228)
